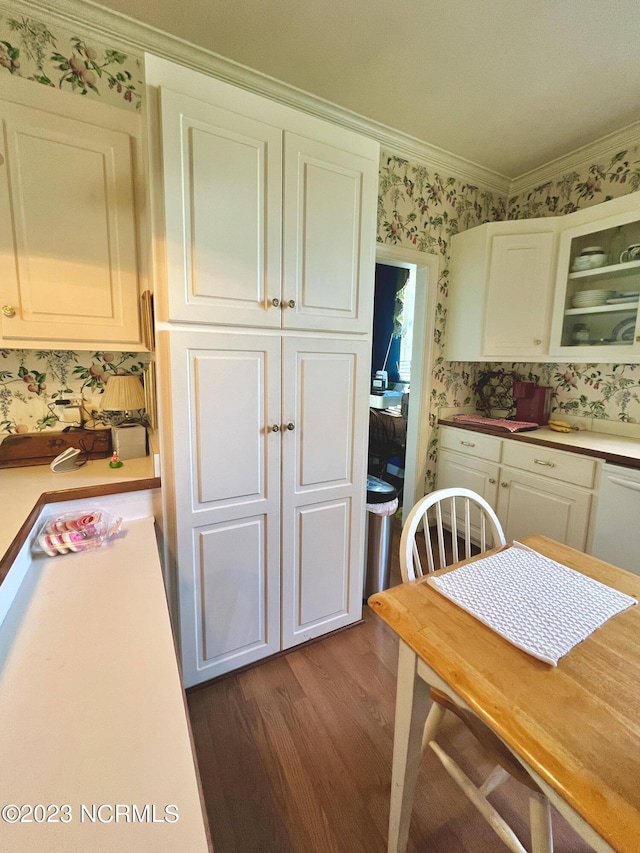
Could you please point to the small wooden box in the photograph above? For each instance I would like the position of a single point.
(20, 451)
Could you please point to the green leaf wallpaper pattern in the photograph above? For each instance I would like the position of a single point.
(67, 61)
(31, 381)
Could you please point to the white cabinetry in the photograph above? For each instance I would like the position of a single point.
(268, 220)
(608, 329)
(500, 291)
(270, 251)
(532, 488)
(267, 478)
(69, 269)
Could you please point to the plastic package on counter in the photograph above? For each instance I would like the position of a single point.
(75, 531)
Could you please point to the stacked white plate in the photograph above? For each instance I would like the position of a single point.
(591, 298)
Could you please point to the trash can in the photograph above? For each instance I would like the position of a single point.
(382, 503)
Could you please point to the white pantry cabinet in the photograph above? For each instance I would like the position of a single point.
(500, 291)
(267, 480)
(69, 260)
(532, 488)
(269, 214)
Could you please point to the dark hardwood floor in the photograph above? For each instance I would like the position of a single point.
(295, 757)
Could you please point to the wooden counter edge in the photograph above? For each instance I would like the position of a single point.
(79, 493)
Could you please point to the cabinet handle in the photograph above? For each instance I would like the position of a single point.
(638, 338)
(468, 443)
(275, 302)
(537, 341)
(275, 428)
(291, 426)
(491, 480)
(290, 304)
(545, 463)
(504, 485)
(8, 311)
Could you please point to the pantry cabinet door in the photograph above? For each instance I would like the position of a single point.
(223, 192)
(329, 237)
(224, 483)
(324, 444)
(68, 244)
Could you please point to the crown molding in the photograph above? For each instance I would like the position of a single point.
(137, 38)
(585, 155)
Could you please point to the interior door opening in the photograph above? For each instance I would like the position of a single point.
(401, 351)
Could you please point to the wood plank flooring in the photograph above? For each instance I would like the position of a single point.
(295, 757)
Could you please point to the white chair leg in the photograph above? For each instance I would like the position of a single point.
(540, 817)
(432, 724)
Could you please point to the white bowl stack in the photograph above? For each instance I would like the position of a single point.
(591, 298)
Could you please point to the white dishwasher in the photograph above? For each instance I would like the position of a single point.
(616, 536)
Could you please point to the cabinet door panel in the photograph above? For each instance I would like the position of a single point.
(529, 504)
(68, 255)
(461, 472)
(329, 206)
(222, 177)
(224, 480)
(231, 571)
(325, 388)
(519, 295)
(324, 592)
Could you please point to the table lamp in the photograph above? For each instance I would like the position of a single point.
(124, 393)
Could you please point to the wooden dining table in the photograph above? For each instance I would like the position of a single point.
(575, 727)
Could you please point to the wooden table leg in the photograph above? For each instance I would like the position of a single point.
(412, 700)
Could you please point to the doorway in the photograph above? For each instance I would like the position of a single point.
(409, 359)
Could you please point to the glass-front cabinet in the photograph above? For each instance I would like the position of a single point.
(595, 315)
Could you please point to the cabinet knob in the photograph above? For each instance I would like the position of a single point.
(291, 426)
(275, 428)
(638, 338)
(504, 485)
(275, 302)
(8, 311)
(537, 341)
(290, 304)
(492, 480)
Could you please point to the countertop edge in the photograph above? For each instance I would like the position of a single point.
(60, 495)
(532, 438)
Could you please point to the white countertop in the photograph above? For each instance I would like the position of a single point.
(91, 707)
(20, 488)
(617, 442)
(591, 441)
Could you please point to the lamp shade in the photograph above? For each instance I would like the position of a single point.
(123, 394)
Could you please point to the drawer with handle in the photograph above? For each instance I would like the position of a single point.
(471, 443)
(556, 464)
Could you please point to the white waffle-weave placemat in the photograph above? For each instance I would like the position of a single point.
(537, 604)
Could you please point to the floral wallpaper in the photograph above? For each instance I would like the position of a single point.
(32, 381)
(66, 61)
(420, 209)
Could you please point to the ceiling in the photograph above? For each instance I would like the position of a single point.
(506, 84)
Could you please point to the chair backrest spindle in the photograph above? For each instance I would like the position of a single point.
(489, 531)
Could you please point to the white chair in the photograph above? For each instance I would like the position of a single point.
(469, 514)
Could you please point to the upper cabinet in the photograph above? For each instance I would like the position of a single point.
(598, 287)
(275, 215)
(562, 288)
(500, 291)
(69, 259)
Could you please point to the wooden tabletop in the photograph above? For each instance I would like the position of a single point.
(578, 724)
